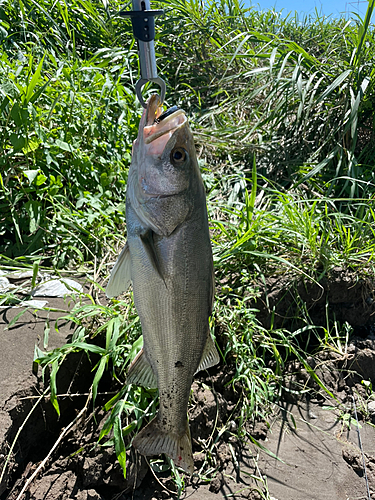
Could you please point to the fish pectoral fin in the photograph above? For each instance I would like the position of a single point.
(153, 440)
(210, 356)
(120, 278)
(147, 239)
(141, 373)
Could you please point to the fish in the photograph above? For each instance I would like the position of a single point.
(168, 260)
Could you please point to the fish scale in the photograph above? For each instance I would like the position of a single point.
(168, 259)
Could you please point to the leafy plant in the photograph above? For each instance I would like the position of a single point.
(66, 132)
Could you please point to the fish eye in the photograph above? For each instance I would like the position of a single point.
(178, 156)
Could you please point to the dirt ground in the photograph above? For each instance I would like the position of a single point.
(316, 441)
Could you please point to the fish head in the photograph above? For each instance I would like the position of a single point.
(164, 153)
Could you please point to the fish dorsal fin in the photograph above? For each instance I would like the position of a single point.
(141, 373)
(120, 278)
(210, 356)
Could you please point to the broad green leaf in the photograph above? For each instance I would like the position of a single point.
(115, 399)
(54, 370)
(39, 92)
(263, 448)
(35, 275)
(336, 83)
(306, 56)
(119, 444)
(4, 103)
(65, 15)
(64, 145)
(34, 211)
(40, 180)
(136, 347)
(19, 115)
(354, 111)
(89, 347)
(33, 81)
(17, 141)
(109, 331)
(320, 166)
(363, 32)
(129, 428)
(98, 376)
(13, 321)
(38, 354)
(31, 145)
(30, 174)
(115, 333)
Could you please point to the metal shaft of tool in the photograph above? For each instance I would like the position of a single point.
(144, 31)
(147, 60)
(146, 49)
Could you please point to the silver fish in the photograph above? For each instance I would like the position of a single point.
(168, 259)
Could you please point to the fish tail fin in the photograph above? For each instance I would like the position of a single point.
(153, 440)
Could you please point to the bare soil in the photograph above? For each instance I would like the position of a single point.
(315, 440)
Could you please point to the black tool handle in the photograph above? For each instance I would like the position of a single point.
(143, 23)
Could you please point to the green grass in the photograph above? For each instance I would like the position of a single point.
(67, 128)
(288, 229)
(282, 109)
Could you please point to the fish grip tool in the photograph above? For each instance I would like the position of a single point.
(143, 23)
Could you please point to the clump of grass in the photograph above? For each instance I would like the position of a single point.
(66, 131)
(112, 344)
(266, 84)
(298, 93)
(264, 227)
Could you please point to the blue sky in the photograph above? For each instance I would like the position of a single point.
(327, 7)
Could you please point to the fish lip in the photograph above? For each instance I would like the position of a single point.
(167, 125)
(168, 118)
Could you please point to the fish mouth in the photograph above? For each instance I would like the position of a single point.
(160, 125)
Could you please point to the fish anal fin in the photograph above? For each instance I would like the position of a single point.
(120, 278)
(140, 372)
(210, 356)
(153, 440)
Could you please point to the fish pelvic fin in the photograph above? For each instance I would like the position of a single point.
(210, 356)
(120, 278)
(141, 373)
(153, 440)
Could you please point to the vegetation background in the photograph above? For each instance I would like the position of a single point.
(282, 110)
